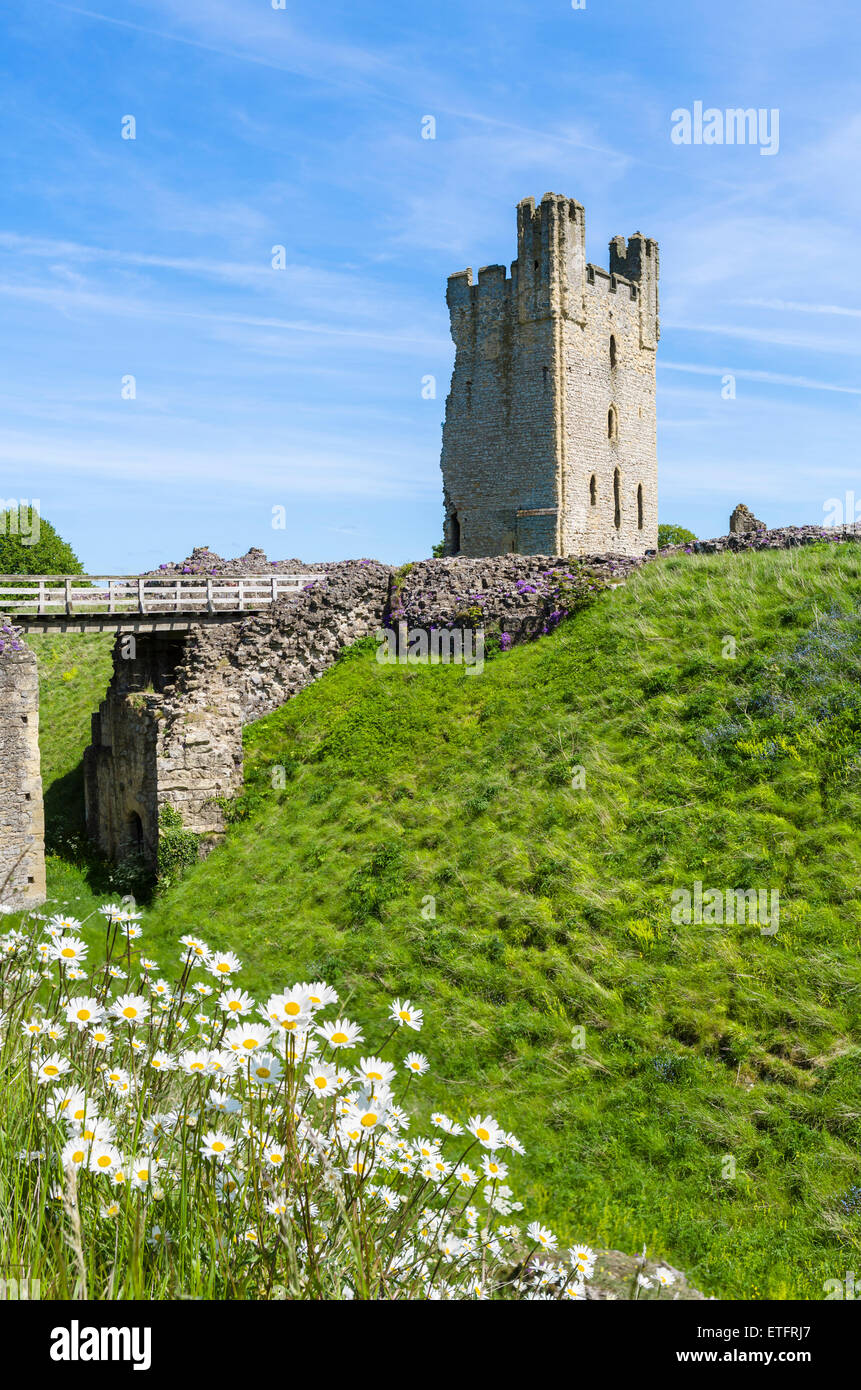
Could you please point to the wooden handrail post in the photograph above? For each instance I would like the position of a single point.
(68, 598)
(141, 608)
(210, 601)
(43, 598)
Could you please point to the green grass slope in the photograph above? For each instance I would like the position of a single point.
(74, 672)
(413, 791)
(427, 841)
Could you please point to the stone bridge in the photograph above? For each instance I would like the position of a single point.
(158, 613)
(195, 659)
(140, 603)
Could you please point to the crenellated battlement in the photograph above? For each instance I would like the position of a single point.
(554, 378)
(550, 276)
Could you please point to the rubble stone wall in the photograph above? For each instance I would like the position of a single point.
(22, 817)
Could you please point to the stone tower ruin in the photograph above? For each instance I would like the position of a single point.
(549, 442)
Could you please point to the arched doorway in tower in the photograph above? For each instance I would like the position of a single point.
(134, 834)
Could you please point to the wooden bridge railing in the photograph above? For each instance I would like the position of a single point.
(57, 595)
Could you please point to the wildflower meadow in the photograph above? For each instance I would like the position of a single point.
(166, 1135)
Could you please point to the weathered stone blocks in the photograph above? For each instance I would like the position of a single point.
(22, 817)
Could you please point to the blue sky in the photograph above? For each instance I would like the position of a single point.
(301, 387)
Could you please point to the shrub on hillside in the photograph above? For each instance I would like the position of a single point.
(178, 848)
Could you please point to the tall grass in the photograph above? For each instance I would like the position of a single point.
(166, 1140)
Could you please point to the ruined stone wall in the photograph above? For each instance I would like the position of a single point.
(514, 593)
(22, 818)
(169, 731)
(531, 462)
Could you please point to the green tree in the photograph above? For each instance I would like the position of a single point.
(674, 535)
(30, 545)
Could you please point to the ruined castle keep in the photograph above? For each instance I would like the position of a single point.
(22, 817)
(549, 442)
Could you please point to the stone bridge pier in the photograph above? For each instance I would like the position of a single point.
(160, 738)
(22, 816)
(169, 731)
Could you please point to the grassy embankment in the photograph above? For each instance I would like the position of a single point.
(413, 790)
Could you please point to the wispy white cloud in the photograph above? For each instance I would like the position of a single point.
(775, 337)
(245, 40)
(768, 378)
(328, 469)
(792, 306)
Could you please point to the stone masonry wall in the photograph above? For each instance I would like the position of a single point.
(22, 818)
(532, 461)
(170, 729)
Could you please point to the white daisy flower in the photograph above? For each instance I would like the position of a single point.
(486, 1131)
(70, 950)
(51, 1069)
(84, 1012)
(131, 1008)
(223, 964)
(405, 1015)
(541, 1235)
(341, 1033)
(216, 1144)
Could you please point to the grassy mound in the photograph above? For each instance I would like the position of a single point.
(423, 832)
